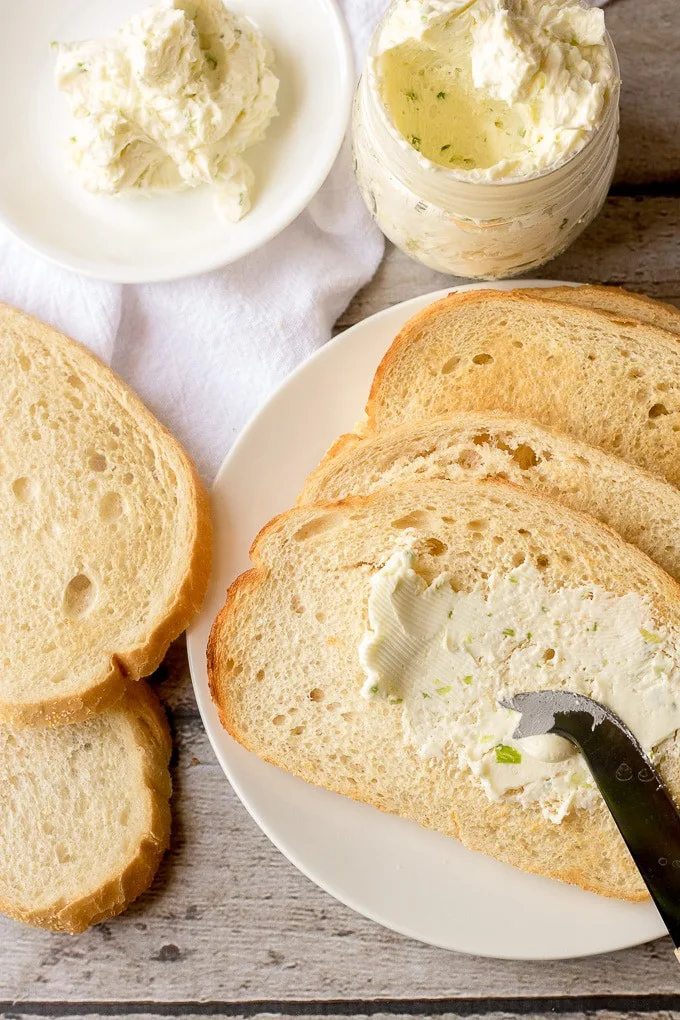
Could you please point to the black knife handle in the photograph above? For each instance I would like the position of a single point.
(638, 800)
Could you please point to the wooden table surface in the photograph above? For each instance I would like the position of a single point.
(230, 927)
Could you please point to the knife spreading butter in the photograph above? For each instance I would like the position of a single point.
(443, 659)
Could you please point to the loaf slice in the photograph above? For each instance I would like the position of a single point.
(285, 673)
(642, 507)
(105, 524)
(85, 813)
(624, 304)
(609, 383)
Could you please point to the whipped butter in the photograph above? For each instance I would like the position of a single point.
(466, 111)
(497, 89)
(170, 101)
(444, 659)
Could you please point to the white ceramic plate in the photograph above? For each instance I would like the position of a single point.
(417, 882)
(142, 239)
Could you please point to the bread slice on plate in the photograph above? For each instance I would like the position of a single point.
(285, 670)
(85, 813)
(642, 507)
(610, 383)
(106, 530)
(624, 304)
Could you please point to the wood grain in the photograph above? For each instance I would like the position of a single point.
(646, 34)
(471, 1011)
(230, 920)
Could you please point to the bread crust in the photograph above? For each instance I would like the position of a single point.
(641, 506)
(476, 825)
(153, 739)
(126, 664)
(479, 822)
(412, 334)
(624, 305)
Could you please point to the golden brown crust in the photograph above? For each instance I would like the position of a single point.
(410, 334)
(342, 444)
(72, 709)
(624, 305)
(566, 860)
(216, 649)
(642, 507)
(646, 307)
(481, 817)
(129, 664)
(153, 738)
(140, 662)
(580, 316)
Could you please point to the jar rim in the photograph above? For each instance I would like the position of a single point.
(458, 177)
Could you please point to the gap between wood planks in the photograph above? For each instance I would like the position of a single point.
(646, 189)
(666, 1007)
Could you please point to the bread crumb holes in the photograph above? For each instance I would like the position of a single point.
(110, 506)
(78, 595)
(24, 489)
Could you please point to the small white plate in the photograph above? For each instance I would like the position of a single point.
(142, 239)
(417, 882)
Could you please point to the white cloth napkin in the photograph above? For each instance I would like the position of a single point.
(204, 353)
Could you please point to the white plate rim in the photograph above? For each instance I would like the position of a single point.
(208, 265)
(216, 735)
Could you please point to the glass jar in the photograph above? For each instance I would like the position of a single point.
(477, 230)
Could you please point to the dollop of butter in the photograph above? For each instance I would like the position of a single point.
(548, 747)
(495, 89)
(445, 658)
(170, 101)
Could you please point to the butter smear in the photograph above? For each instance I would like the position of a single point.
(444, 659)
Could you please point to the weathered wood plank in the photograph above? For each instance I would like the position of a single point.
(229, 919)
(633, 243)
(647, 36)
(173, 681)
(495, 1011)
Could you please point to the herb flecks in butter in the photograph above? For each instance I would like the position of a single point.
(506, 755)
(516, 87)
(161, 106)
(450, 656)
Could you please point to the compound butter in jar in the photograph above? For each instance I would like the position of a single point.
(486, 131)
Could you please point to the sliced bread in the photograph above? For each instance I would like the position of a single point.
(624, 304)
(85, 813)
(285, 673)
(106, 529)
(642, 507)
(610, 383)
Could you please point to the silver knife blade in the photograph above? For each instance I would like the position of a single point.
(640, 804)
